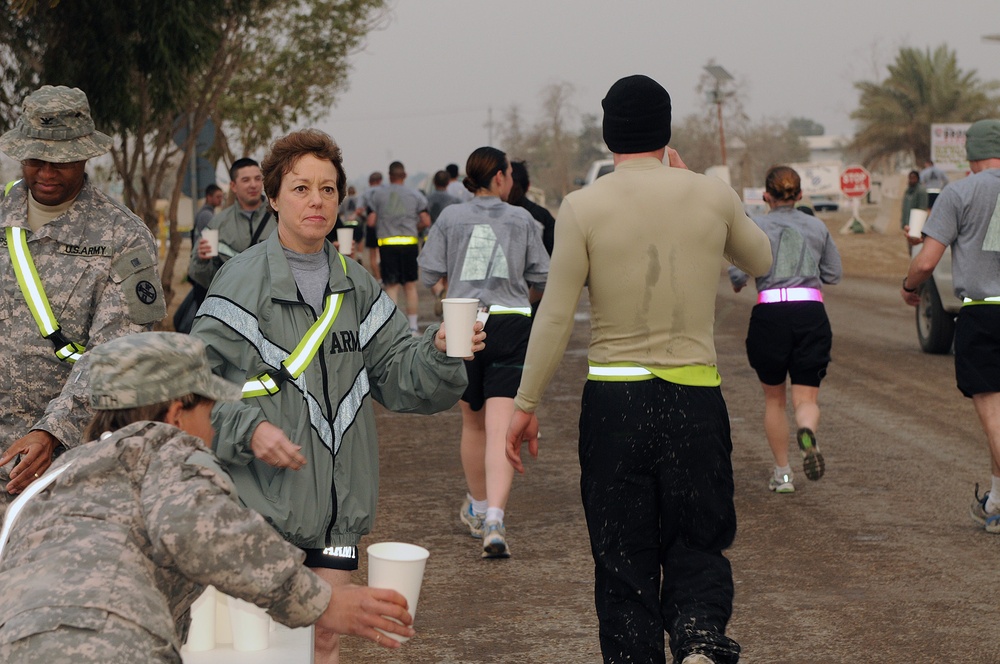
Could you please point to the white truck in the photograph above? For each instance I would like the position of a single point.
(938, 308)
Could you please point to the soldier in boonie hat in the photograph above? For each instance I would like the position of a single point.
(55, 126)
(153, 367)
(89, 256)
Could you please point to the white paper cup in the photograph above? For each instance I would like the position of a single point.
(201, 636)
(917, 219)
(212, 235)
(459, 320)
(345, 238)
(398, 567)
(223, 626)
(251, 626)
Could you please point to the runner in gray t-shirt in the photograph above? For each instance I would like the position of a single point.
(493, 252)
(966, 217)
(398, 214)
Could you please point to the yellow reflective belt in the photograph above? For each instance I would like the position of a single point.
(985, 300)
(34, 295)
(9, 186)
(698, 375)
(296, 363)
(397, 240)
(499, 309)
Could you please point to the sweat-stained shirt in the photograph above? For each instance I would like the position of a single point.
(648, 241)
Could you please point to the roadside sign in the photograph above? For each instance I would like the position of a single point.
(948, 146)
(855, 181)
(821, 178)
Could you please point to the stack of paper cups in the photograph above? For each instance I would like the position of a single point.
(917, 219)
(201, 636)
(251, 626)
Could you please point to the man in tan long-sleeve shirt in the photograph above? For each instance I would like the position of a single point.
(657, 481)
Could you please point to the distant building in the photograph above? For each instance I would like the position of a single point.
(826, 149)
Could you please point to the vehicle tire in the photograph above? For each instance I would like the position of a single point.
(935, 326)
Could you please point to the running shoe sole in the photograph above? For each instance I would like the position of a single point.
(812, 459)
(495, 542)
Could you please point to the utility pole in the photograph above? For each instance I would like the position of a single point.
(717, 96)
(489, 125)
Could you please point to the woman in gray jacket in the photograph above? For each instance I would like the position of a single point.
(313, 339)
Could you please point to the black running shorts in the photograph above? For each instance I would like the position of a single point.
(789, 339)
(496, 370)
(398, 263)
(977, 349)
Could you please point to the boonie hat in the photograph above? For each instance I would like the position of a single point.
(982, 140)
(55, 126)
(153, 367)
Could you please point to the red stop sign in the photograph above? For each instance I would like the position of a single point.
(855, 181)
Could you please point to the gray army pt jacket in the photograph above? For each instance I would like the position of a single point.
(252, 318)
(235, 235)
(98, 265)
(138, 525)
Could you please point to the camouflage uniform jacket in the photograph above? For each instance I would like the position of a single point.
(138, 525)
(97, 263)
(251, 320)
(235, 235)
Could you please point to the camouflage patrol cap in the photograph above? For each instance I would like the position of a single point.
(55, 126)
(153, 367)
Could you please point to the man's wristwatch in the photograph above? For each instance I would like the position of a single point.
(908, 290)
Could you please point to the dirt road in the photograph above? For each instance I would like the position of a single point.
(878, 561)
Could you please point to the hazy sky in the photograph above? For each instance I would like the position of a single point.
(422, 89)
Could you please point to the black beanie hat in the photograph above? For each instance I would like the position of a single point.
(636, 115)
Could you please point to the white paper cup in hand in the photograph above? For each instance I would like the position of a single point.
(459, 320)
(345, 238)
(400, 567)
(917, 219)
(212, 235)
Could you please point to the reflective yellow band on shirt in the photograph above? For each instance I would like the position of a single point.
(693, 375)
(986, 300)
(499, 309)
(34, 294)
(9, 186)
(396, 240)
(295, 364)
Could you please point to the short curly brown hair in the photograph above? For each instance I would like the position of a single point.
(287, 150)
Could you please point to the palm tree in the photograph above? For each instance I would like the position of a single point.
(895, 116)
